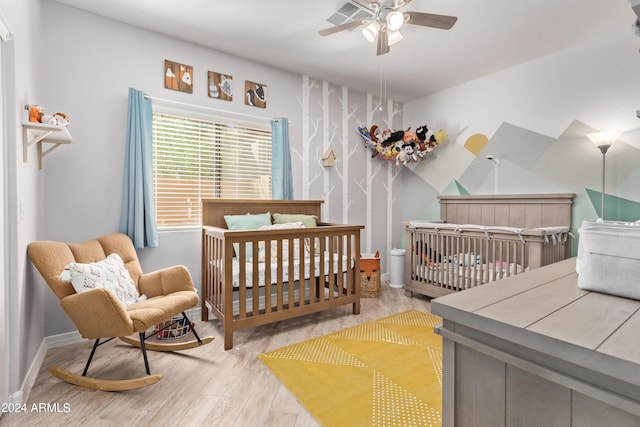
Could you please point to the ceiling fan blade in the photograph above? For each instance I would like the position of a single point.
(383, 41)
(343, 27)
(443, 22)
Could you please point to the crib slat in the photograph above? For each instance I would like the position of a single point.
(313, 280)
(349, 269)
(340, 274)
(331, 282)
(268, 304)
(280, 284)
(242, 278)
(255, 278)
(303, 273)
(290, 281)
(322, 277)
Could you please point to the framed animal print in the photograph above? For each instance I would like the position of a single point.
(219, 86)
(178, 76)
(255, 94)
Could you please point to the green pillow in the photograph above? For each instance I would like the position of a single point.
(307, 220)
(246, 222)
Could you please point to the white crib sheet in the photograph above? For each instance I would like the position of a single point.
(445, 272)
(262, 266)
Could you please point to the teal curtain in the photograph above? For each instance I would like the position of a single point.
(138, 217)
(281, 177)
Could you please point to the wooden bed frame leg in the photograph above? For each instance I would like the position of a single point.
(204, 311)
(356, 307)
(228, 338)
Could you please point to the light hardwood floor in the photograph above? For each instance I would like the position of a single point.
(206, 386)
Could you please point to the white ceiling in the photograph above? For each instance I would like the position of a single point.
(490, 35)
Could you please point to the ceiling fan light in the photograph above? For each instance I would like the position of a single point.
(370, 32)
(395, 20)
(394, 37)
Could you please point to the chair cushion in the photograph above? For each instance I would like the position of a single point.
(110, 273)
(146, 314)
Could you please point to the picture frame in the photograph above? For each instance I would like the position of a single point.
(220, 86)
(255, 94)
(178, 76)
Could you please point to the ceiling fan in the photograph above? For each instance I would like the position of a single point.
(387, 21)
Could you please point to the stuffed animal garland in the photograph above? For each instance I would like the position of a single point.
(400, 146)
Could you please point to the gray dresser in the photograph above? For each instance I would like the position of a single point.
(535, 350)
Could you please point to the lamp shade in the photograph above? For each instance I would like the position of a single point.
(370, 32)
(602, 139)
(395, 20)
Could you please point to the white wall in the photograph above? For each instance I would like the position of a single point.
(25, 306)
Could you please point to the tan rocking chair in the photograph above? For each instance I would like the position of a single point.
(99, 315)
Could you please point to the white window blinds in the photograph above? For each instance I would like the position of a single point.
(196, 159)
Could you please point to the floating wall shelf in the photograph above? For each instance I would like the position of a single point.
(40, 134)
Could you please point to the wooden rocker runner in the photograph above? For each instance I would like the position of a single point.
(100, 314)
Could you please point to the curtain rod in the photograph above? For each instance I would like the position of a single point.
(170, 101)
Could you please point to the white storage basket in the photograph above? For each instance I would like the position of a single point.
(609, 258)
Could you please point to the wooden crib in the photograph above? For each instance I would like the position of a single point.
(311, 269)
(480, 239)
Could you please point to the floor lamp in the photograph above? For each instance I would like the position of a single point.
(603, 140)
(496, 163)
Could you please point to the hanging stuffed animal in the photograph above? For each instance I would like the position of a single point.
(394, 137)
(374, 132)
(410, 137)
(440, 136)
(410, 151)
(421, 132)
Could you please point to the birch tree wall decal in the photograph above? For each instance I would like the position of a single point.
(348, 113)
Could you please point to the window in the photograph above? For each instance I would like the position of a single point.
(196, 159)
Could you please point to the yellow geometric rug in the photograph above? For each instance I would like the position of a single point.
(387, 372)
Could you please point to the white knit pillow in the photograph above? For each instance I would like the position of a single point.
(109, 273)
(285, 243)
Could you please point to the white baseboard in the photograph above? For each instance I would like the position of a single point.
(20, 396)
(67, 338)
(52, 341)
(385, 277)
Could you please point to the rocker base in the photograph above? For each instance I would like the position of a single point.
(178, 346)
(103, 385)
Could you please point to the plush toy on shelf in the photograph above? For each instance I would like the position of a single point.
(37, 115)
(61, 118)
